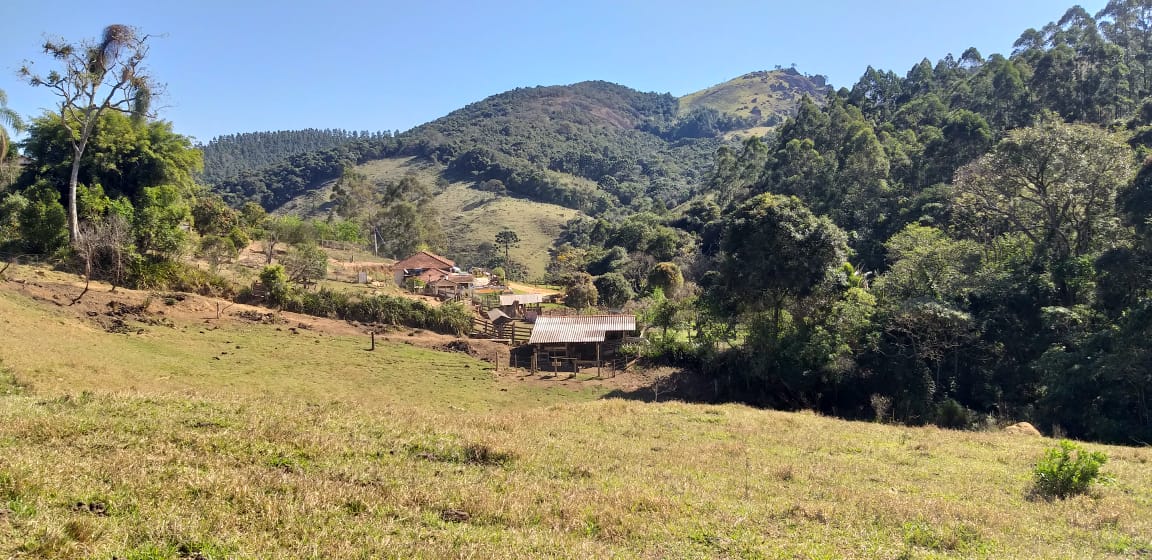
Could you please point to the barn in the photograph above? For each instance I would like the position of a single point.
(570, 342)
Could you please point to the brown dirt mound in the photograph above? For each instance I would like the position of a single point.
(1022, 429)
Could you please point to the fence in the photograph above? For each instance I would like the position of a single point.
(513, 331)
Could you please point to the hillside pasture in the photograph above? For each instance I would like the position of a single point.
(172, 443)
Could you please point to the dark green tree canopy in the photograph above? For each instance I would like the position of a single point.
(774, 248)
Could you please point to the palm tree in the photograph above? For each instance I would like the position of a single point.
(9, 117)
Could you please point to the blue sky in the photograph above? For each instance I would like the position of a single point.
(243, 66)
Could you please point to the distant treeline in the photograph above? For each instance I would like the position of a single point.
(231, 154)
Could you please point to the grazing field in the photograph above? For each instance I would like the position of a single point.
(476, 217)
(145, 446)
(468, 216)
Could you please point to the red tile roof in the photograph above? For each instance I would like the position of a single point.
(424, 259)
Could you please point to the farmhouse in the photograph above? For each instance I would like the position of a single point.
(575, 341)
(435, 275)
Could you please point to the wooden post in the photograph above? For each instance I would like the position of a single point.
(373, 340)
(597, 360)
(535, 359)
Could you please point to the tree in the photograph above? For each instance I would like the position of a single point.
(43, 219)
(10, 118)
(159, 217)
(776, 249)
(106, 249)
(667, 277)
(1056, 184)
(614, 289)
(211, 216)
(508, 239)
(581, 292)
(284, 229)
(926, 264)
(97, 76)
(218, 249)
(353, 195)
(306, 263)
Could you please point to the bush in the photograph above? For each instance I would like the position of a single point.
(172, 276)
(275, 282)
(447, 318)
(952, 415)
(1067, 470)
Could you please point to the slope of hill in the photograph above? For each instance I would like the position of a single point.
(470, 217)
(174, 443)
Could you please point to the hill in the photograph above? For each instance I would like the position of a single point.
(145, 445)
(469, 217)
(593, 147)
(627, 149)
(764, 98)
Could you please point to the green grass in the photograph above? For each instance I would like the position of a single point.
(481, 215)
(236, 359)
(143, 446)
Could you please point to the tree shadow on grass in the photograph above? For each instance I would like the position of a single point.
(680, 384)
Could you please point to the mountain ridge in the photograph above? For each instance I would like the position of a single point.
(641, 149)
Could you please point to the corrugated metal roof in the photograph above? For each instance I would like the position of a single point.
(524, 299)
(579, 328)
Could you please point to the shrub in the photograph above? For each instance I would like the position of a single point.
(275, 282)
(171, 276)
(951, 414)
(1067, 470)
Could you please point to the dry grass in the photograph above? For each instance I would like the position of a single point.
(478, 216)
(298, 455)
(468, 216)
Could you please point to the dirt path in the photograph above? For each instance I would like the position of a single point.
(527, 289)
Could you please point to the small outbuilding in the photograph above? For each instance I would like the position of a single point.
(521, 306)
(571, 342)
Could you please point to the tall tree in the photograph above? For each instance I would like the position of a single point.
(1055, 184)
(508, 239)
(775, 249)
(97, 77)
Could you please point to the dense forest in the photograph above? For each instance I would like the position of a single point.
(996, 221)
(231, 154)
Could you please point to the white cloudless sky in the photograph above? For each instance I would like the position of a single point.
(245, 66)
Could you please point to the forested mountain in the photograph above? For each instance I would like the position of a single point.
(591, 146)
(229, 155)
(996, 207)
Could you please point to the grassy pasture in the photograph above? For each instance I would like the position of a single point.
(468, 216)
(143, 446)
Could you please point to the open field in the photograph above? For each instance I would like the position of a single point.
(482, 215)
(145, 446)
